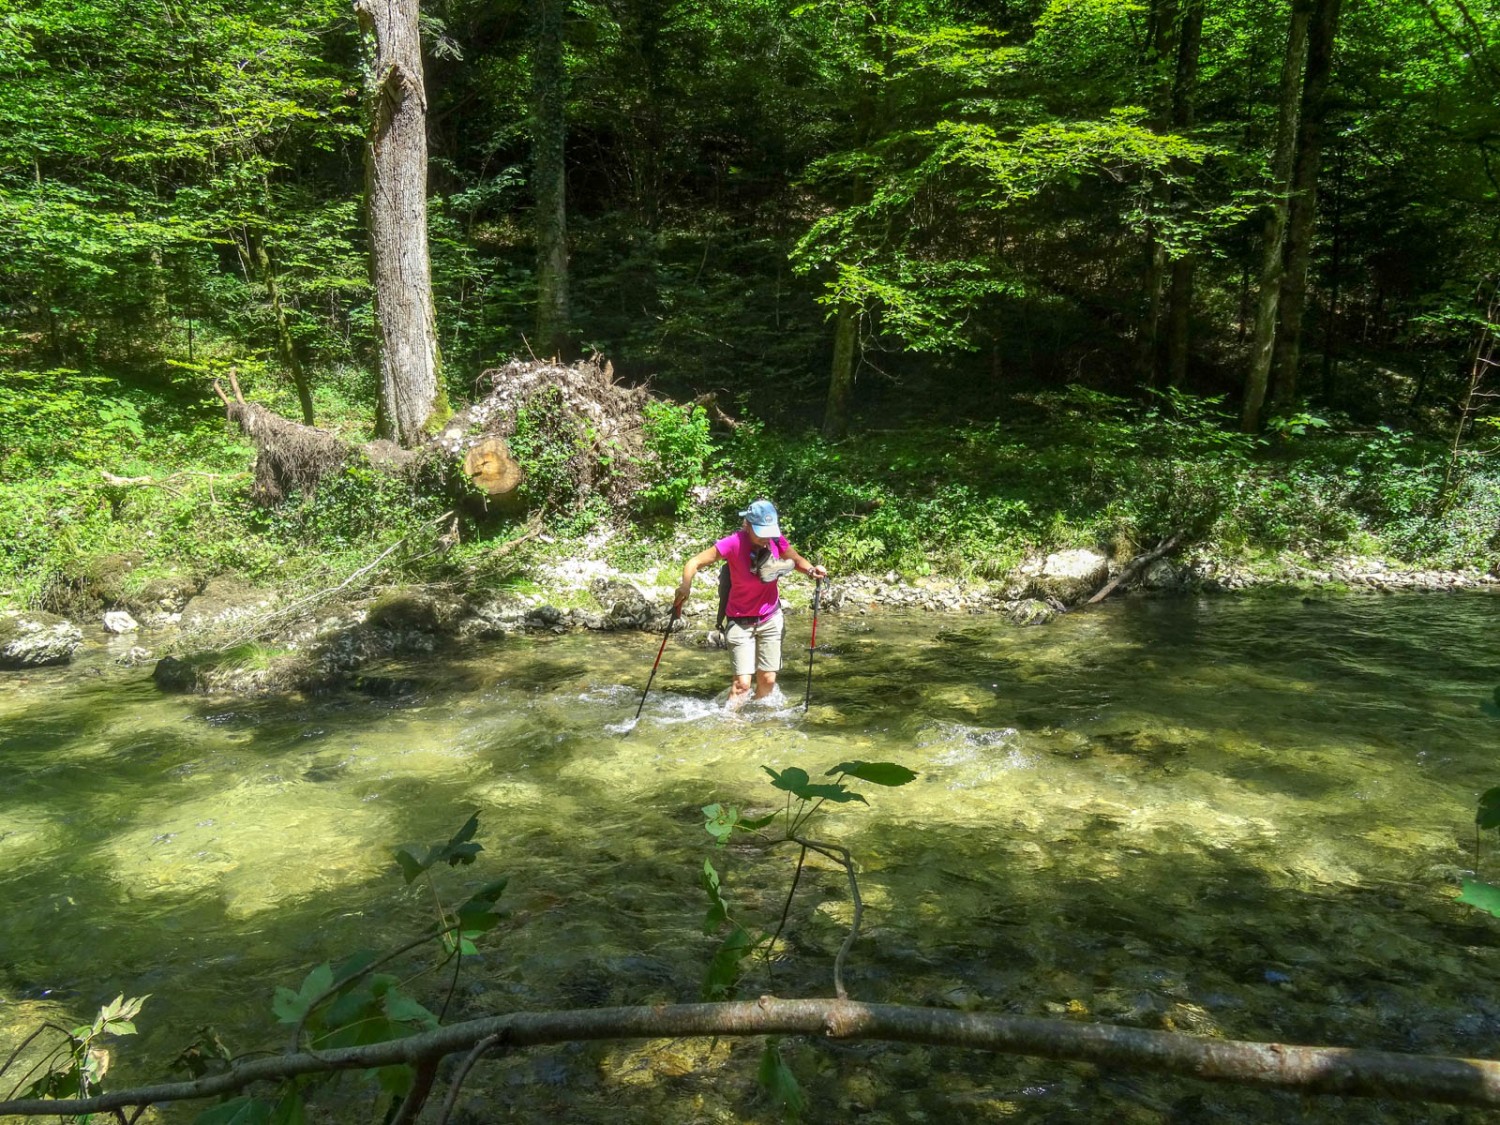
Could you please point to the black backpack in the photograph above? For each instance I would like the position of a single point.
(725, 579)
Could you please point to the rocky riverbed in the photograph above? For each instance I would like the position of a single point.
(224, 636)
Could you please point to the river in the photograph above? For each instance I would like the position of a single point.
(1235, 817)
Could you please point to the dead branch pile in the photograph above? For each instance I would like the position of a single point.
(579, 406)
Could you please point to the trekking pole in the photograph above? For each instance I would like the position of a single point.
(672, 620)
(812, 641)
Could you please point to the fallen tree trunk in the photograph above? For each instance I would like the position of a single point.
(578, 413)
(1309, 1070)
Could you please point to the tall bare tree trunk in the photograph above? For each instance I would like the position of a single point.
(841, 376)
(396, 203)
(549, 179)
(1273, 234)
(1161, 40)
(284, 342)
(1304, 202)
(1184, 90)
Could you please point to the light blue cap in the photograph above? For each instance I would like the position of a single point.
(763, 521)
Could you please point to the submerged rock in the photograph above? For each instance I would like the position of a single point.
(33, 639)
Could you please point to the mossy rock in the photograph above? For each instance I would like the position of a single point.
(34, 639)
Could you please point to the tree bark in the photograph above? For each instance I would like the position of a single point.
(841, 375)
(1322, 30)
(411, 394)
(1342, 1071)
(549, 180)
(284, 342)
(1163, 39)
(1273, 234)
(1184, 92)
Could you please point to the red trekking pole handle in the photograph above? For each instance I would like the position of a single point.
(676, 610)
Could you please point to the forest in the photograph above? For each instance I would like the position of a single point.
(368, 327)
(1042, 258)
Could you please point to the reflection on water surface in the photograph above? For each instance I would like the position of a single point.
(1236, 818)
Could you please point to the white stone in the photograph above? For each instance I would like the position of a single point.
(118, 621)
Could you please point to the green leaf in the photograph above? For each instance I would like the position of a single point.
(1484, 896)
(876, 773)
(1488, 815)
(289, 1110)
(412, 865)
(290, 1007)
(796, 782)
(480, 914)
(777, 1079)
(395, 1080)
(790, 779)
(237, 1111)
(403, 1009)
(720, 821)
(724, 968)
(758, 823)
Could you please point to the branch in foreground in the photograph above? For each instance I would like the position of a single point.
(1309, 1070)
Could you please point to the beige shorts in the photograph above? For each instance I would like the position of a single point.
(758, 647)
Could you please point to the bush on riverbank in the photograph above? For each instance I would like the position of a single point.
(91, 470)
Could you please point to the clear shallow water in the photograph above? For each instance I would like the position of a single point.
(1233, 817)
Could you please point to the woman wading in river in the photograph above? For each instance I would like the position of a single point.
(757, 556)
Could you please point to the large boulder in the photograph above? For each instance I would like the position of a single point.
(624, 606)
(1068, 576)
(33, 639)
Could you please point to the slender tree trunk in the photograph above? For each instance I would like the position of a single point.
(1322, 30)
(870, 117)
(1273, 235)
(396, 202)
(1328, 387)
(1163, 39)
(841, 376)
(285, 345)
(1184, 91)
(549, 180)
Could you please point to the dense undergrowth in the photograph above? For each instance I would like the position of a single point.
(1062, 468)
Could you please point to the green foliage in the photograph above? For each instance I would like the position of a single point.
(64, 415)
(804, 799)
(548, 441)
(461, 849)
(76, 1069)
(777, 1079)
(679, 448)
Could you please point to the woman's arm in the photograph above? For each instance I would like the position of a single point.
(803, 565)
(697, 562)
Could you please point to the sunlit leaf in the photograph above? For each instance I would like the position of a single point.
(876, 773)
(290, 1007)
(1484, 896)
